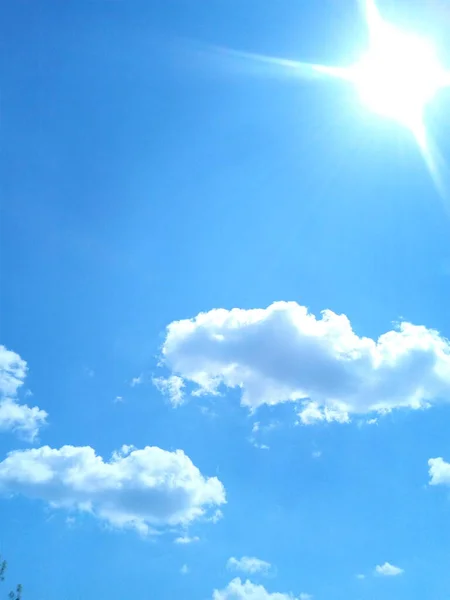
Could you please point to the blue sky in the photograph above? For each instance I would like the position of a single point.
(148, 180)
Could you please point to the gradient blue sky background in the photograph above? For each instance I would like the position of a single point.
(145, 179)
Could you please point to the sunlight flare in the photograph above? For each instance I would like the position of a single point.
(397, 77)
(399, 74)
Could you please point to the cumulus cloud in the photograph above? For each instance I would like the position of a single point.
(248, 564)
(439, 471)
(284, 353)
(172, 387)
(388, 570)
(13, 371)
(238, 590)
(14, 416)
(144, 489)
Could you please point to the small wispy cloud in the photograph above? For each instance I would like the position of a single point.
(187, 539)
(172, 387)
(137, 380)
(248, 564)
(70, 521)
(388, 570)
(207, 411)
(217, 516)
(184, 570)
(259, 446)
(259, 430)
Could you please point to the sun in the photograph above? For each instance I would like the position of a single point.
(397, 77)
(400, 73)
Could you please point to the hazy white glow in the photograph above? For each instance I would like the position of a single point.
(397, 78)
(399, 74)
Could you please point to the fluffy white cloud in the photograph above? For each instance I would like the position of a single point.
(238, 590)
(21, 418)
(439, 471)
(17, 417)
(312, 412)
(145, 489)
(172, 387)
(13, 371)
(388, 570)
(284, 353)
(248, 564)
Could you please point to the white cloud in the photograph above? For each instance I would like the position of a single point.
(184, 570)
(20, 418)
(360, 576)
(388, 570)
(258, 445)
(172, 387)
(137, 380)
(248, 564)
(238, 590)
(284, 353)
(185, 539)
(439, 471)
(13, 371)
(311, 413)
(70, 521)
(118, 399)
(144, 489)
(304, 596)
(217, 516)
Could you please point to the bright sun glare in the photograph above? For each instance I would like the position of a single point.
(397, 77)
(399, 74)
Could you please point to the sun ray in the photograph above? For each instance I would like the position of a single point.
(436, 165)
(292, 67)
(373, 19)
